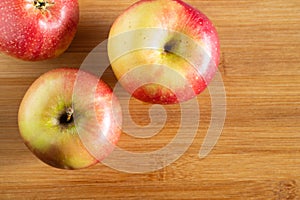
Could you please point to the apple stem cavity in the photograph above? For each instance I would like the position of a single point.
(66, 117)
(42, 4)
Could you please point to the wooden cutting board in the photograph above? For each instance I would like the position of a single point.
(258, 153)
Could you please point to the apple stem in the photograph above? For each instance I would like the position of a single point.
(69, 112)
(42, 4)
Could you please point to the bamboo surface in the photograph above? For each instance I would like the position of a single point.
(258, 153)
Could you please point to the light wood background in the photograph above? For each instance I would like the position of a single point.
(258, 153)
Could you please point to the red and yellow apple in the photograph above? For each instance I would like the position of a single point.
(35, 30)
(163, 51)
(65, 122)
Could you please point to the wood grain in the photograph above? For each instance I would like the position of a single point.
(258, 153)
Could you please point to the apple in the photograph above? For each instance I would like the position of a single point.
(34, 30)
(69, 119)
(163, 51)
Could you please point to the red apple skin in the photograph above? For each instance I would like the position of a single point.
(174, 15)
(33, 34)
(55, 144)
